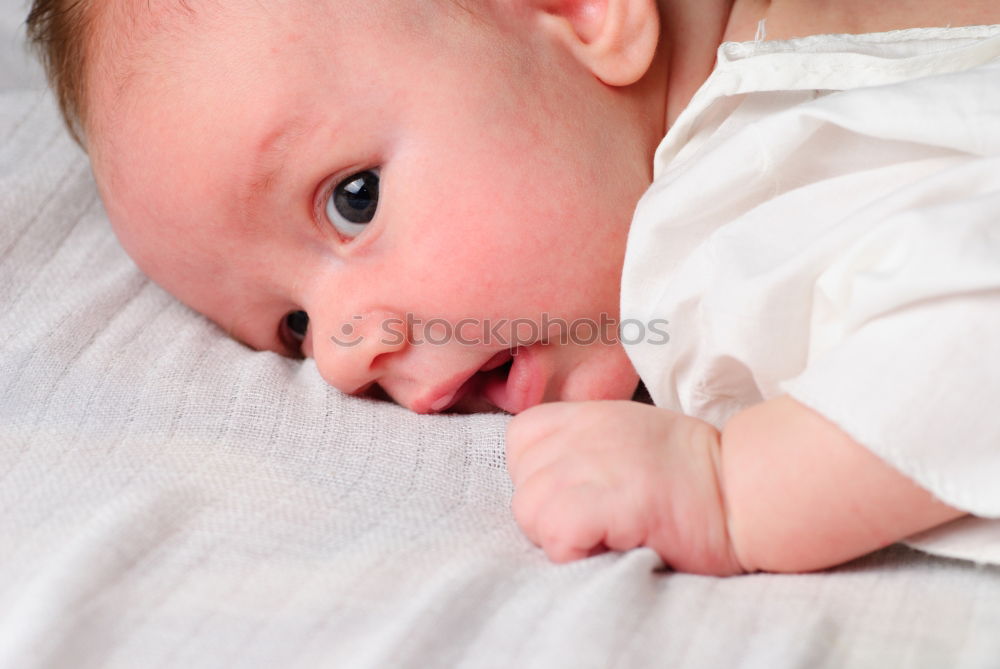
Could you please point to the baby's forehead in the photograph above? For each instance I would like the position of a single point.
(177, 66)
(124, 27)
(129, 39)
(133, 40)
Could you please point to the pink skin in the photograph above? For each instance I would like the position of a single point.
(492, 205)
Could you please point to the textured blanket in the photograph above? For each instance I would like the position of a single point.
(170, 498)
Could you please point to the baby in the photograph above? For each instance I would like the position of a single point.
(431, 199)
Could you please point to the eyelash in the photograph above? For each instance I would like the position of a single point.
(319, 205)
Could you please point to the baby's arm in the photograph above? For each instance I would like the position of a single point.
(803, 495)
(780, 489)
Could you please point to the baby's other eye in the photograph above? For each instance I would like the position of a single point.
(292, 329)
(353, 202)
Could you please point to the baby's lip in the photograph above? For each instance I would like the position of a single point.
(498, 360)
(447, 394)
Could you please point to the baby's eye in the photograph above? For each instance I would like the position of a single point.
(352, 204)
(293, 329)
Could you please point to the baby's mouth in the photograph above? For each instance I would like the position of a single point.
(471, 397)
(511, 381)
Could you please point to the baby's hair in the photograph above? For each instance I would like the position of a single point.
(60, 32)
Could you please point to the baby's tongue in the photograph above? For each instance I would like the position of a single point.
(495, 389)
(511, 386)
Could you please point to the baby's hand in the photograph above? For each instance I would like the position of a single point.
(595, 475)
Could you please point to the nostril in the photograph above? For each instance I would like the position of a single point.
(292, 331)
(298, 324)
(375, 392)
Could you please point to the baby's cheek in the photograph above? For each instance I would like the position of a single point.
(509, 244)
(594, 371)
(480, 274)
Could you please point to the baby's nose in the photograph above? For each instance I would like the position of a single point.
(352, 354)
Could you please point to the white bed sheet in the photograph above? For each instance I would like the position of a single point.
(169, 498)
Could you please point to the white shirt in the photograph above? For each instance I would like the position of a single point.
(824, 223)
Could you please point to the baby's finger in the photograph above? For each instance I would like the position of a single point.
(533, 493)
(573, 523)
(529, 498)
(547, 452)
(628, 527)
(532, 426)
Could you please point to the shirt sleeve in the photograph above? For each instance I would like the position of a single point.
(905, 348)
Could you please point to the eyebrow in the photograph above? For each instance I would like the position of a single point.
(269, 160)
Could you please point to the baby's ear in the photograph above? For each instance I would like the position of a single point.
(614, 39)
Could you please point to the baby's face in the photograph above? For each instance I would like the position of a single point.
(435, 193)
